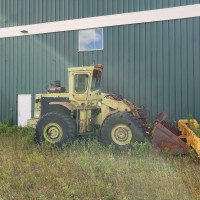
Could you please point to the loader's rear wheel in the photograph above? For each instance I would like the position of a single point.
(121, 129)
(55, 128)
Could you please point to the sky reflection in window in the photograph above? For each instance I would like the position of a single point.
(90, 40)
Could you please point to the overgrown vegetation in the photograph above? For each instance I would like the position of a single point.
(88, 170)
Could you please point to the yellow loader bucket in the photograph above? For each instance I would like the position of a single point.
(165, 137)
(192, 139)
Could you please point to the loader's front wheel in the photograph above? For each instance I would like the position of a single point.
(121, 129)
(55, 128)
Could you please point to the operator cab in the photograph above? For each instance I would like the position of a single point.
(84, 83)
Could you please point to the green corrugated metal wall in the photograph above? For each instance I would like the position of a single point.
(21, 12)
(154, 64)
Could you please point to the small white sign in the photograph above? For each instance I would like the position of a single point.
(24, 109)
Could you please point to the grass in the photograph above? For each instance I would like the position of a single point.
(88, 170)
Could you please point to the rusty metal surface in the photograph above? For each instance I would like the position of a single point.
(171, 128)
(165, 136)
(165, 140)
(160, 117)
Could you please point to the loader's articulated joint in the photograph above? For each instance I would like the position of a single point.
(144, 114)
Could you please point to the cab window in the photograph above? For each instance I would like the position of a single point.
(96, 79)
(81, 83)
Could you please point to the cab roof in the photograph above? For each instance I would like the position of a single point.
(85, 68)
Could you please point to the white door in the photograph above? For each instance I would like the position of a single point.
(24, 109)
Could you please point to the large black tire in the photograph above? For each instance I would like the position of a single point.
(122, 129)
(56, 129)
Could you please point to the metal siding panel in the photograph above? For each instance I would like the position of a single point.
(160, 67)
(148, 65)
(115, 59)
(153, 4)
(57, 10)
(126, 6)
(1, 11)
(196, 68)
(156, 64)
(48, 58)
(40, 20)
(84, 8)
(142, 5)
(35, 11)
(130, 6)
(62, 60)
(166, 66)
(126, 63)
(89, 8)
(172, 87)
(44, 62)
(75, 9)
(142, 65)
(131, 64)
(148, 5)
(120, 60)
(110, 66)
(23, 8)
(154, 70)
(178, 69)
(80, 11)
(44, 11)
(19, 65)
(75, 48)
(41, 67)
(183, 2)
(3, 85)
(57, 60)
(105, 61)
(115, 64)
(23, 65)
(39, 64)
(184, 83)
(31, 65)
(95, 57)
(7, 74)
(7, 13)
(137, 64)
(120, 6)
(98, 7)
(31, 16)
(191, 66)
(136, 6)
(1, 74)
(53, 10)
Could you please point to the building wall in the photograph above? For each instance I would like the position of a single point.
(153, 64)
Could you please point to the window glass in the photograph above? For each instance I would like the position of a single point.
(91, 40)
(81, 83)
(96, 79)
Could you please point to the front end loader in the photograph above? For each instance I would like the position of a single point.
(60, 116)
